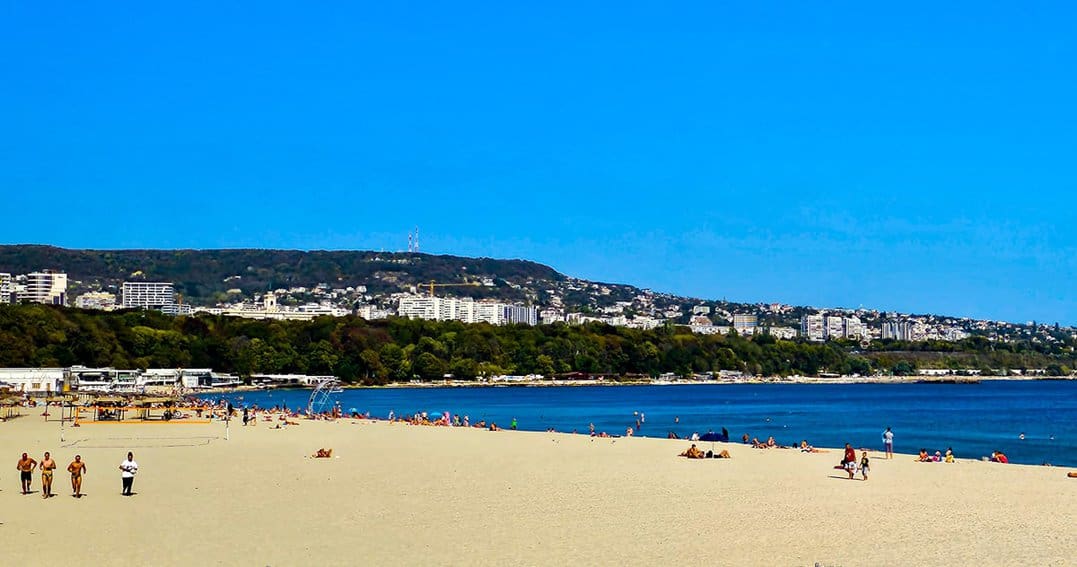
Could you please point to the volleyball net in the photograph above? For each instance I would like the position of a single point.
(142, 415)
(140, 438)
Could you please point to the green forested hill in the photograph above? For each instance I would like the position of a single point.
(400, 349)
(201, 275)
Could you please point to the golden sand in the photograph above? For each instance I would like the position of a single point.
(400, 494)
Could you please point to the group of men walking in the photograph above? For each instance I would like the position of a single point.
(77, 468)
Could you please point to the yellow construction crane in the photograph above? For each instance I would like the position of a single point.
(434, 284)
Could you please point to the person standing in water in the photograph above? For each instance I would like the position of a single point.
(128, 470)
(77, 468)
(888, 443)
(47, 467)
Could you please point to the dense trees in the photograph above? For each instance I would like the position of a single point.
(400, 349)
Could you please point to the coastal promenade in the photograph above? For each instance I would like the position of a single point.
(402, 494)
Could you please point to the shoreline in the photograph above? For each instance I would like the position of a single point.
(613, 383)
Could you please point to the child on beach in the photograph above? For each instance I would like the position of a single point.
(864, 465)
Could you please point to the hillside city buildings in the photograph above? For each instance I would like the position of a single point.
(591, 303)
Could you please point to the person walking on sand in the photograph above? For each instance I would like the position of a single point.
(129, 469)
(864, 465)
(850, 460)
(26, 472)
(888, 443)
(77, 468)
(47, 467)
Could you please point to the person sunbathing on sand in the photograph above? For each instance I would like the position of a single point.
(771, 443)
(924, 457)
(692, 453)
(323, 454)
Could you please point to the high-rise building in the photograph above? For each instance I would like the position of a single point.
(745, 324)
(465, 309)
(46, 287)
(149, 295)
(812, 327)
(7, 288)
(898, 330)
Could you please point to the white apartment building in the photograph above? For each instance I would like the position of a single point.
(898, 330)
(148, 295)
(46, 287)
(466, 310)
(7, 288)
(745, 324)
(822, 327)
(812, 327)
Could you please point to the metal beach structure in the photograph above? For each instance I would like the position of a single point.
(320, 397)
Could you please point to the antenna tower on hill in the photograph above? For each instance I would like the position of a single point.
(413, 241)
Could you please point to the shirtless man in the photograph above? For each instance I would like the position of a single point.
(77, 468)
(47, 466)
(26, 472)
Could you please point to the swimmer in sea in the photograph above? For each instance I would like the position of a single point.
(77, 468)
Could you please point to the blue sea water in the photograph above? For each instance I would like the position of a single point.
(973, 419)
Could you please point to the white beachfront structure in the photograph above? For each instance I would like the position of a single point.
(34, 380)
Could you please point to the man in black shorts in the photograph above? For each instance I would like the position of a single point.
(26, 472)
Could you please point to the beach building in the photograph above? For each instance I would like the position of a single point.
(34, 380)
(47, 286)
(289, 379)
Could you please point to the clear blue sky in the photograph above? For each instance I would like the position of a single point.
(916, 158)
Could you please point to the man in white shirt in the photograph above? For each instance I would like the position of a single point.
(888, 443)
(128, 470)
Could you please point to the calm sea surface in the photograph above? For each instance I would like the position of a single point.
(974, 419)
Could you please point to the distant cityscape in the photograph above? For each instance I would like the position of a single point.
(646, 310)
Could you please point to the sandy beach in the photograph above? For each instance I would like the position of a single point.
(395, 493)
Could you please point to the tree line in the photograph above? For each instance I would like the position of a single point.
(395, 349)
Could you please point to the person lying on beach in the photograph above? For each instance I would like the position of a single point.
(323, 454)
(756, 444)
(924, 457)
(692, 453)
(771, 443)
(999, 457)
(949, 455)
(807, 448)
(494, 427)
